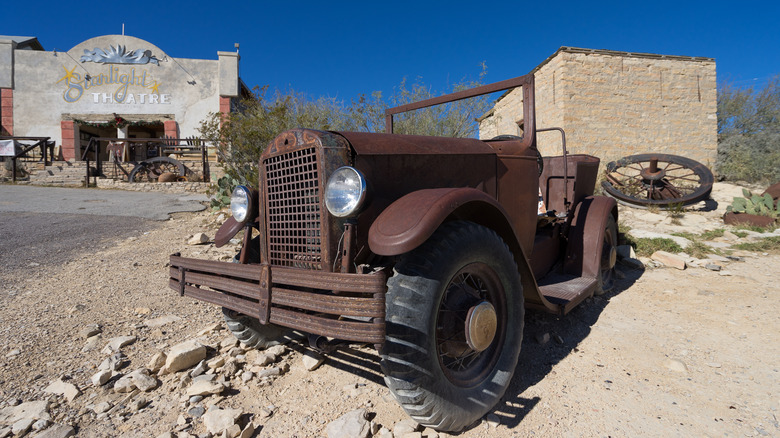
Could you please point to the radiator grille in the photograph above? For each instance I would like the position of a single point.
(293, 210)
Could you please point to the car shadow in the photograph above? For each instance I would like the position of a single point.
(547, 340)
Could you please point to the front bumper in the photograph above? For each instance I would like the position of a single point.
(350, 307)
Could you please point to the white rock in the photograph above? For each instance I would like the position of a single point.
(157, 361)
(57, 431)
(101, 377)
(114, 344)
(228, 342)
(35, 410)
(90, 330)
(277, 350)
(205, 388)
(216, 362)
(353, 424)
(198, 239)
(669, 259)
(91, 344)
(384, 433)
(68, 390)
(161, 321)
(218, 420)
(102, 407)
(142, 380)
(232, 431)
(113, 362)
(264, 359)
(184, 355)
(405, 426)
(248, 431)
(40, 425)
(312, 360)
(22, 426)
(676, 365)
(124, 384)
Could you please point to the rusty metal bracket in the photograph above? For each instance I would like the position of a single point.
(264, 303)
(182, 283)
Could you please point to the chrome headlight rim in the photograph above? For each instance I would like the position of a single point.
(241, 205)
(345, 203)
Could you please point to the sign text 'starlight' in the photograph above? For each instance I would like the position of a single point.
(100, 91)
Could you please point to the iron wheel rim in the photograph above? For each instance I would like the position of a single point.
(471, 285)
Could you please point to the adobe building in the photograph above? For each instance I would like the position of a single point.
(109, 86)
(614, 104)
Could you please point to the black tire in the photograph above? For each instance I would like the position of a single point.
(248, 330)
(606, 278)
(251, 333)
(425, 364)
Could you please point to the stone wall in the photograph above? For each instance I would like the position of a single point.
(167, 187)
(614, 104)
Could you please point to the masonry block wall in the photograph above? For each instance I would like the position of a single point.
(7, 111)
(614, 104)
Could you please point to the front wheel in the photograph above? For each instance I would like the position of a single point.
(251, 333)
(454, 326)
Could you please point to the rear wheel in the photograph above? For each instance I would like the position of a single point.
(454, 325)
(606, 279)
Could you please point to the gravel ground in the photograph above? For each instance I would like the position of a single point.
(667, 353)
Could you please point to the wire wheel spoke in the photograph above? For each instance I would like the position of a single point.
(657, 179)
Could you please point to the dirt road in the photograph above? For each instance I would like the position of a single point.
(669, 352)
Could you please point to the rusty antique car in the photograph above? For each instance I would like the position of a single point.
(429, 248)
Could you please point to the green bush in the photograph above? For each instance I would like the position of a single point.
(242, 136)
(749, 132)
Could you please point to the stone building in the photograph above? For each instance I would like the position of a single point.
(109, 86)
(613, 104)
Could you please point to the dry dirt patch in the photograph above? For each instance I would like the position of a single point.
(668, 353)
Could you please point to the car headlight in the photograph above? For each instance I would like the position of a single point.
(345, 192)
(241, 203)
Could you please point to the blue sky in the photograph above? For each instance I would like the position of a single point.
(343, 49)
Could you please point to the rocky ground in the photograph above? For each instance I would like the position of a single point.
(100, 346)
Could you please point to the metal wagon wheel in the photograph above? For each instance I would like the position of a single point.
(150, 170)
(662, 180)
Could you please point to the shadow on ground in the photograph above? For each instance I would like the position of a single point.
(536, 359)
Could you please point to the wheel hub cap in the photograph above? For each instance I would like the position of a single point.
(612, 257)
(481, 326)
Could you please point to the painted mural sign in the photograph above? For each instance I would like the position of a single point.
(119, 55)
(114, 85)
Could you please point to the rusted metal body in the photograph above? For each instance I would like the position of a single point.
(326, 275)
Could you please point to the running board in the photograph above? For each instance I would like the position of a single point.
(567, 291)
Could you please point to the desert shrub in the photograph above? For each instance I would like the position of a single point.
(749, 132)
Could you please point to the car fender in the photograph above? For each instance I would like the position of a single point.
(412, 219)
(586, 234)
